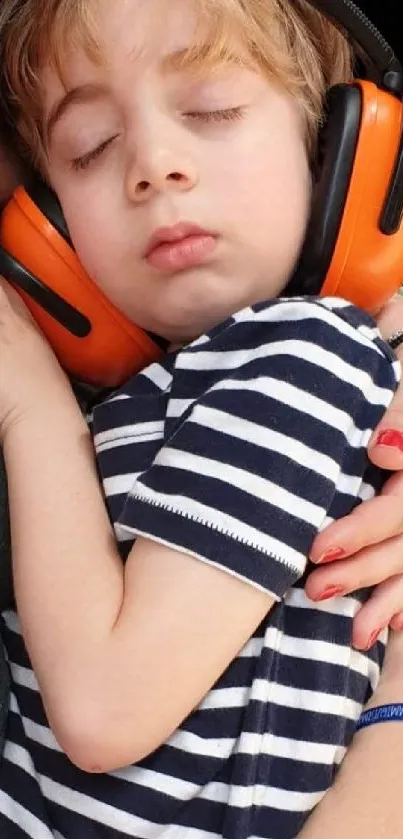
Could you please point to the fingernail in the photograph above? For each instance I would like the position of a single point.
(330, 591)
(330, 555)
(374, 637)
(390, 437)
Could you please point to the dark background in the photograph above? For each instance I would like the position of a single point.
(386, 15)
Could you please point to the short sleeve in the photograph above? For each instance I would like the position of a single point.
(288, 396)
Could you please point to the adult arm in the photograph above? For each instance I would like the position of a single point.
(365, 801)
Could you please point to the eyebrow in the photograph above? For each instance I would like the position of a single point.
(91, 92)
(76, 96)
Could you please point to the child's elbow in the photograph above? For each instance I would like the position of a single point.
(98, 743)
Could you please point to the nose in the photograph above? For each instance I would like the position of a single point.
(157, 166)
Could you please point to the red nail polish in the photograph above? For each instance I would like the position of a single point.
(330, 591)
(374, 637)
(390, 437)
(330, 555)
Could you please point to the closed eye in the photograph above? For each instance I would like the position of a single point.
(223, 115)
(82, 162)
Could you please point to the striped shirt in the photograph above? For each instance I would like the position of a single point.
(237, 450)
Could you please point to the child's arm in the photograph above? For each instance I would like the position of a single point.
(122, 653)
(150, 639)
(365, 801)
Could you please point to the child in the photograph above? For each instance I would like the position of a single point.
(197, 664)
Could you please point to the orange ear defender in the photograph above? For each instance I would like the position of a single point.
(354, 241)
(353, 247)
(93, 340)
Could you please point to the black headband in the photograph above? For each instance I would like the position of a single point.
(381, 62)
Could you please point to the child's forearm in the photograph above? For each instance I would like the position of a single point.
(69, 578)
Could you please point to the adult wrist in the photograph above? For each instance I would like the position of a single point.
(389, 690)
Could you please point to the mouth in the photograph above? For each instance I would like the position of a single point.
(181, 246)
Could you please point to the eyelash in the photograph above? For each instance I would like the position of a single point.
(223, 115)
(81, 163)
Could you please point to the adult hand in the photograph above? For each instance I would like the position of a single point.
(366, 547)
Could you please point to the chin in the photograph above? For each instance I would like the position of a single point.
(194, 305)
(190, 325)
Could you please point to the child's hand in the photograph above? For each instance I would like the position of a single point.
(28, 367)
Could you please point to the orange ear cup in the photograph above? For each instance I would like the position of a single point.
(367, 265)
(115, 348)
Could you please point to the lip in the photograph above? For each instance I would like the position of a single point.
(174, 234)
(181, 246)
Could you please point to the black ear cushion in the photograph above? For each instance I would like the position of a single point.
(46, 200)
(337, 145)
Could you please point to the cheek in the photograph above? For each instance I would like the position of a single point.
(95, 234)
(266, 199)
(266, 191)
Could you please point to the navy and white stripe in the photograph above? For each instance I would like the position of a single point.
(236, 449)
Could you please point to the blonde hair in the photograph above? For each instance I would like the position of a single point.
(288, 40)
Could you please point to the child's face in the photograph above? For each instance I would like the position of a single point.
(164, 154)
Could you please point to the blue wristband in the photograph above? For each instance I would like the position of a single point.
(385, 713)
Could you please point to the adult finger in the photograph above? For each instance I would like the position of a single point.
(369, 567)
(371, 522)
(386, 444)
(382, 608)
